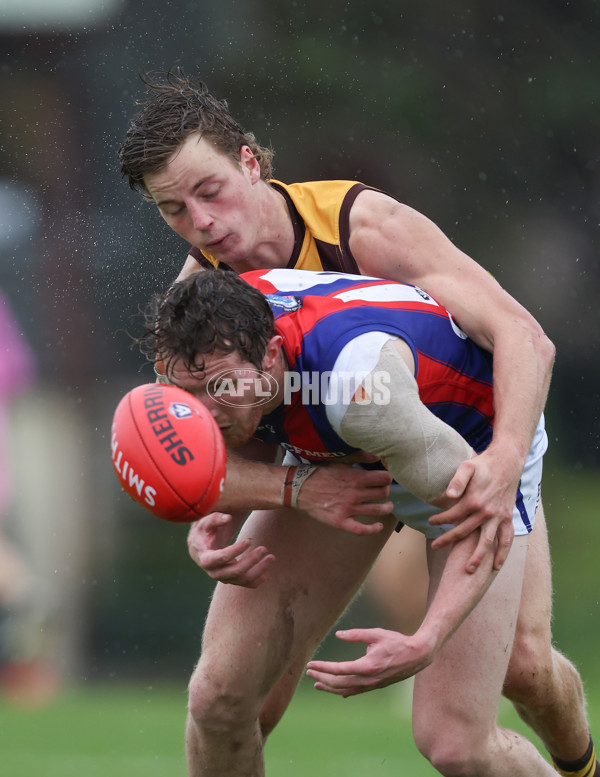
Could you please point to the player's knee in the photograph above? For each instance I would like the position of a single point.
(217, 704)
(530, 670)
(453, 751)
(546, 681)
(452, 757)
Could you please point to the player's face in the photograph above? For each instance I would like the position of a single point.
(234, 391)
(209, 199)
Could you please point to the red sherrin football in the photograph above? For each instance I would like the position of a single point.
(168, 452)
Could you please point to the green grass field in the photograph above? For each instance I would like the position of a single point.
(135, 732)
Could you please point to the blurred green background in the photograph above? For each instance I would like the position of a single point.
(484, 118)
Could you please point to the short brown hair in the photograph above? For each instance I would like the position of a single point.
(207, 312)
(176, 107)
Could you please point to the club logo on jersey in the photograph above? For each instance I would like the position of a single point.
(286, 302)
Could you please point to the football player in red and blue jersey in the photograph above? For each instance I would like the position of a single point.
(392, 379)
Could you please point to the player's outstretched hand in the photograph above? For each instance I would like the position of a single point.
(237, 563)
(336, 494)
(390, 657)
(483, 490)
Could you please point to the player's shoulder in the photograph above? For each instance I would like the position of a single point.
(321, 195)
(373, 204)
(321, 185)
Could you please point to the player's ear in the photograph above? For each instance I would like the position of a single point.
(272, 352)
(250, 163)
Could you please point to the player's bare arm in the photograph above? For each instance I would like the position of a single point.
(335, 494)
(212, 546)
(211, 540)
(391, 656)
(391, 240)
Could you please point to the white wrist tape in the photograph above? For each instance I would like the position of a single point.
(293, 481)
(421, 452)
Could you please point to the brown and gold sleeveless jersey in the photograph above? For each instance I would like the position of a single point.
(320, 213)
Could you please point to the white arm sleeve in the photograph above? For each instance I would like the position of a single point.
(421, 452)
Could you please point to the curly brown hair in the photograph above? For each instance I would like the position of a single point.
(176, 107)
(207, 312)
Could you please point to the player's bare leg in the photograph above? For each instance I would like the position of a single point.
(401, 607)
(456, 697)
(544, 686)
(279, 699)
(253, 637)
(403, 560)
(399, 579)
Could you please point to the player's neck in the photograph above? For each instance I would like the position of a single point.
(276, 238)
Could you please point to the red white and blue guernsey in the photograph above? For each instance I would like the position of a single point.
(335, 324)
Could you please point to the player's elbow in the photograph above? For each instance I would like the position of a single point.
(545, 351)
(548, 350)
(541, 345)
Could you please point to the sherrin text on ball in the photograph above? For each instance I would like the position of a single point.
(168, 452)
